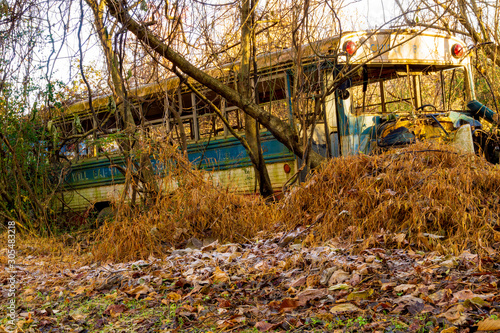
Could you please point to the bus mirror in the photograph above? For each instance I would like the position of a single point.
(344, 94)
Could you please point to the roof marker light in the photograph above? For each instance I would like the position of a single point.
(350, 47)
(457, 50)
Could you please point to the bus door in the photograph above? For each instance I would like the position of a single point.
(351, 130)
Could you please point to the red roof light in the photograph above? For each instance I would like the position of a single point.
(350, 47)
(457, 50)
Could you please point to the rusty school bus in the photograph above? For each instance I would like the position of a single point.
(383, 89)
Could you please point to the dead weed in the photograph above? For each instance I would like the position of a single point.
(420, 196)
(191, 207)
(418, 191)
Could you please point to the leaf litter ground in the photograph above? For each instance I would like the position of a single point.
(399, 242)
(261, 286)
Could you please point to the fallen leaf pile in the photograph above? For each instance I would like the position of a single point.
(262, 286)
(416, 191)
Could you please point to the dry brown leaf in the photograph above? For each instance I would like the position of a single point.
(388, 285)
(310, 294)
(465, 294)
(298, 282)
(114, 310)
(139, 290)
(455, 315)
(224, 324)
(439, 295)
(220, 276)
(344, 307)
(264, 326)
(288, 304)
(404, 287)
(489, 324)
(355, 279)
(363, 294)
(411, 303)
(174, 297)
(210, 247)
(78, 317)
(223, 303)
(262, 266)
(339, 276)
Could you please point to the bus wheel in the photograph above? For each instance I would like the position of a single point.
(105, 214)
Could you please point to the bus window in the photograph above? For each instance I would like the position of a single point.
(186, 126)
(210, 125)
(69, 151)
(109, 146)
(398, 96)
(277, 108)
(445, 90)
(83, 149)
(368, 102)
(235, 119)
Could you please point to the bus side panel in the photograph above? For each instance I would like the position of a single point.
(229, 153)
(225, 160)
(92, 173)
(232, 168)
(242, 180)
(83, 198)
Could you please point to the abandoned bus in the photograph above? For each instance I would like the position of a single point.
(383, 89)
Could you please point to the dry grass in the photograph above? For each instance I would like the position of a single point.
(52, 248)
(420, 189)
(196, 208)
(417, 190)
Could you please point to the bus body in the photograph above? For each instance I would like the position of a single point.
(383, 89)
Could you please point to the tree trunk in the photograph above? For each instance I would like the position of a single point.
(245, 89)
(121, 98)
(117, 86)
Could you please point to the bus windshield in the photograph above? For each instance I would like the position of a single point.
(402, 93)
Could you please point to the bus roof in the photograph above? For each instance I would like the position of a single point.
(391, 47)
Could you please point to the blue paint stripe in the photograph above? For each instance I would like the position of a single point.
(218, 155)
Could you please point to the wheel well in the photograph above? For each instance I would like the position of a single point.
(98, 206)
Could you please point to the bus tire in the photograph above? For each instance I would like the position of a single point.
(105, 214)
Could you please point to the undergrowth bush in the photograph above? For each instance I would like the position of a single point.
(190, 206)
(416, 191)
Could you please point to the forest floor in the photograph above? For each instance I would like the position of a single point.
(273, 284)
